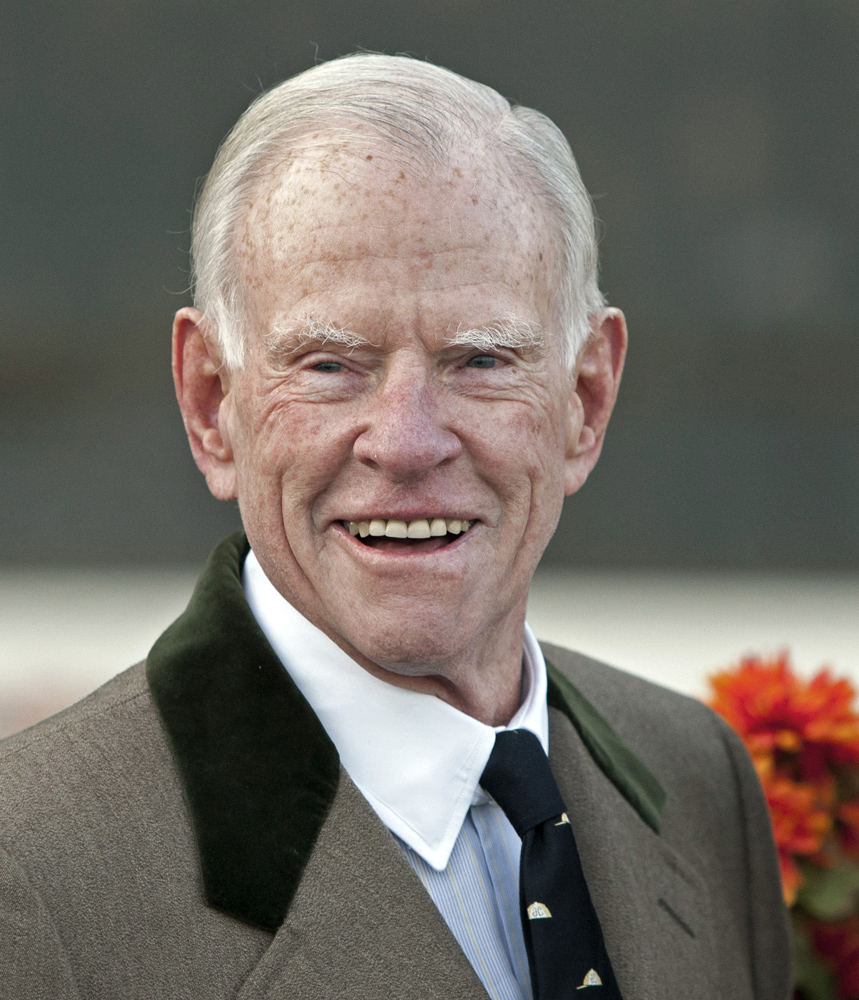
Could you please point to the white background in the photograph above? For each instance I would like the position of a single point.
(64, 633)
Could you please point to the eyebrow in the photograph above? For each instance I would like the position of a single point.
(283, 341)
(508, 331)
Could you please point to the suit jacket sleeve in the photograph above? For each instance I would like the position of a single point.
(768, 931)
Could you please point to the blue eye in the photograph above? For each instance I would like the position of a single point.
(481, 361)
(329, 367)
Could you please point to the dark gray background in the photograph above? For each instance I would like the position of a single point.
(720, 139)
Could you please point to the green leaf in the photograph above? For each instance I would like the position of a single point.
(830, 893)
(814, 979)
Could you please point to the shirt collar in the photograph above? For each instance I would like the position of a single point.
(416, 759)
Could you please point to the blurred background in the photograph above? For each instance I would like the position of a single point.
(720, 142)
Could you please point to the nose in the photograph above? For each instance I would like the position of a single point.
(406, 433)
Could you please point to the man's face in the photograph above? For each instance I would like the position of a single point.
(386, 419)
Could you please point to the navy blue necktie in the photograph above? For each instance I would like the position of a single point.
(563, 936)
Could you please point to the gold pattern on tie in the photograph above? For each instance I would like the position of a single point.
(591, 979)
(538, 911)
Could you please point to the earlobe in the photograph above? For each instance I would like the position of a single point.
(203, 393)
(597, 378)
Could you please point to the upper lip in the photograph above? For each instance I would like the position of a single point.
(407, 518)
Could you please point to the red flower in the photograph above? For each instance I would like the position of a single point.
(800, 826)
(838, 944)
(783, 717)
(799, 733)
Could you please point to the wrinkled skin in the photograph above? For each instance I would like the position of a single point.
(309, 433)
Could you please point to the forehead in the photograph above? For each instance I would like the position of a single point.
(365, 228)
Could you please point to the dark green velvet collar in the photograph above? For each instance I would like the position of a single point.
(619, 764)
(259, 771)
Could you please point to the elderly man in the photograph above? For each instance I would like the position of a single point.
(330, 778)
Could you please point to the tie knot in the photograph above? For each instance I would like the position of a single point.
(518, 777)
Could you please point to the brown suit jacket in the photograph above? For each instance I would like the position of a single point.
(186, 832)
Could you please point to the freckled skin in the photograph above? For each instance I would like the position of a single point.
(407, 426)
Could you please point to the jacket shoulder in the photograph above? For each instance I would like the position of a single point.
(92, 752)
(98, 862)
(125, 687)
(700, 762)
(652, 720)
(106, 727)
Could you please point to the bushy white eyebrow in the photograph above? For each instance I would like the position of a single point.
(285, 340)
(509, 332)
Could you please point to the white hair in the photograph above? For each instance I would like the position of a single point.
(283, 341)
(417, 108)
(508, 331)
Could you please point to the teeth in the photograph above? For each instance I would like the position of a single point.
(424, 527)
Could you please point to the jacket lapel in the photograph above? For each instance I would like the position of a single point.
(259, 771)
(361, 925)
(653, 907)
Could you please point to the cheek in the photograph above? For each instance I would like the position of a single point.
(522, 451)
(295, 451)
(263, 448)
(544, 441)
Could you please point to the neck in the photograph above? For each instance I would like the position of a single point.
(480, 675)
(484, 682)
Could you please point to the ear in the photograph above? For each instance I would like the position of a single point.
(203, 391)
(593, 394)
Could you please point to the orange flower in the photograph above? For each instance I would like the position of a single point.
(781, 716)
(838, 944)
(800, 826)
(804, 740)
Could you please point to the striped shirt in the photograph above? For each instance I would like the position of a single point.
(478, 896)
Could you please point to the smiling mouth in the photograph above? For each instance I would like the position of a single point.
(424, 534)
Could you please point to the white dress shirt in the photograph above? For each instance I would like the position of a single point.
(418, 762)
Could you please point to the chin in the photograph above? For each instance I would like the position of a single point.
(411, 653)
